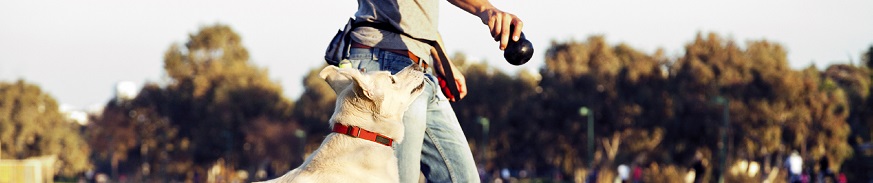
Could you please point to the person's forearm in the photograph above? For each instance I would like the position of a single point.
(499, 22)
(475, 7)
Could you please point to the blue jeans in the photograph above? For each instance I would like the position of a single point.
(433, 142)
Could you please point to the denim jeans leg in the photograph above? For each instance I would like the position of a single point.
(446, 154)
(408, 152)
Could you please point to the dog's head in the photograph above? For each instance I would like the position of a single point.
(376, 100)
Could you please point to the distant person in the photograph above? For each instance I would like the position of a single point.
(623, 172)
(637, 174)
(794, 163)
(825, 174)
(699, 168)
(592, 176)
(483, 174)
(806, 177)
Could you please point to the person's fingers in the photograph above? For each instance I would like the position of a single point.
(462, 90)
(498, 26)
(462, 87)
(492, 26)
(504, 32)
(518, 27)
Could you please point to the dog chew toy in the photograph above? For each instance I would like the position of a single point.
(518, 52)
(345, 64)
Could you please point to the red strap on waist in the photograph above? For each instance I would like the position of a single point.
(357, 132)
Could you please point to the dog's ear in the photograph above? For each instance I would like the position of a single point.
(339, 79)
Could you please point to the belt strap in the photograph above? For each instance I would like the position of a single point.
(357, 132)
(407, 53)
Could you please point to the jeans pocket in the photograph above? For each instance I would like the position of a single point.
(362, 59)
(393, 62)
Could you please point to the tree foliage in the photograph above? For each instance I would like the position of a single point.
(651, 109)
(316, 105)
(216, 107)
(31, 125)
(663, 113)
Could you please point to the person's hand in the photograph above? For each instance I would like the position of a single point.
(499, 23)
(461, 82)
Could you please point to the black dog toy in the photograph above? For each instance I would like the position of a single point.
(518, 52)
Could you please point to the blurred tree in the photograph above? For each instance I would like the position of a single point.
(132, 136)
(215, 92)
(572, 80)
(216, 106)
(316, 105)
(829, 130)
(773, 109)
(625, 88)
(650, 109)
(31, 125)
(867, 58)
(855, 84)
(313, 111)
(492, 97)
(855, 81)
(693, 84)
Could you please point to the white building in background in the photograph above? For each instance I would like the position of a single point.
(33, 169)
(74, 114)
(82, 116)
(79, 117)
(125, 90)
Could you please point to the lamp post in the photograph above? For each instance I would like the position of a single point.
(584, 111)
(485, 129)
(722, 154)
(301, 135)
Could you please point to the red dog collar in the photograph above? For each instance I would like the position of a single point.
(355, 131)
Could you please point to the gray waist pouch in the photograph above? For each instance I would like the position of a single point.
(338, 49)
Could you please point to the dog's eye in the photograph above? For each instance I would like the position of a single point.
(392, 80)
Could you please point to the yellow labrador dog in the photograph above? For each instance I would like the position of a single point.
(365, 123)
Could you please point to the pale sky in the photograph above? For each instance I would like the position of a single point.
(78, 50)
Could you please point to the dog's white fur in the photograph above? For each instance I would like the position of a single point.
(374, 101)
